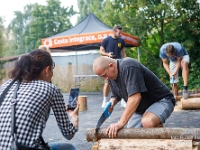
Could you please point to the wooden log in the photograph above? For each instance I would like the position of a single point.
(178, 106)
(147, 133)
(190, 103)
(191, 96)
(144, 144)
(82, 100)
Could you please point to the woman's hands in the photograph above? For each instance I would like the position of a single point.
(73, 115)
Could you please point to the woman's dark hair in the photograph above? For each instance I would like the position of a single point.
(31, 65)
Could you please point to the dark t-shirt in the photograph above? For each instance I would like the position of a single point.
(134, 78)
(113, 45)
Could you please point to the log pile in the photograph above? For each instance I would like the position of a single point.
(193, 102)
(146, 138)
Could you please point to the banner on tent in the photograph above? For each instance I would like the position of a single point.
(91, 38)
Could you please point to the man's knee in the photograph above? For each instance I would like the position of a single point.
(147, 123)
(184, 65)
(150, 120)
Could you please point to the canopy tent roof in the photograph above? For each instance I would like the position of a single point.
(87, 35)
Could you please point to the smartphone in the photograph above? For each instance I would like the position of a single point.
(73, 98)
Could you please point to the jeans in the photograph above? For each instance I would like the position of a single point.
(61, 146)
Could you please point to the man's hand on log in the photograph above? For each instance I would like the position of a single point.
(113, 129)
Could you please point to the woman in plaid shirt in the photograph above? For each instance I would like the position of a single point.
(35, 96)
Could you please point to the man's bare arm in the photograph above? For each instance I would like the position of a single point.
(166, 65)
(178, 65)
(131, 106)
(123, 52)
(102, 52)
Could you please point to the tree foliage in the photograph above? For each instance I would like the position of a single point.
(37, 22)
(156, 22)
(1, 37)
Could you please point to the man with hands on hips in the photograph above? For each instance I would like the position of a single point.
(149, 101)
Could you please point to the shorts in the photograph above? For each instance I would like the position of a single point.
(172, 66)
(162, 109)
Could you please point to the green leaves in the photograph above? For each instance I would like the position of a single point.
(37, 22)
(155, 22)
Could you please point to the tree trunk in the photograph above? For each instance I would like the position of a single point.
(190, 103)
(144, 144)
(147, 133)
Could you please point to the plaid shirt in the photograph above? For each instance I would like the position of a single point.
(34, 100)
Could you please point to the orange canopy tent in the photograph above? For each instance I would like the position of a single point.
(87, 35)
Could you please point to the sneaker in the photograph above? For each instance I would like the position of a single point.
(104, 104)
(186, 94)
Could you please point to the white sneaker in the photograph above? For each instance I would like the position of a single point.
(104, 104)
(123, 103)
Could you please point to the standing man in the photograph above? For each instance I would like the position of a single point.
(113, 47)
(149, 101)
(178, 57)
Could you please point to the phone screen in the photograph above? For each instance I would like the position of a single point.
(73, 98)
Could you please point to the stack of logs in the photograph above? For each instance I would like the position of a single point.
(193, 102)
(146, 139)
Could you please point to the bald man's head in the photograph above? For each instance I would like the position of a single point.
(102, 63)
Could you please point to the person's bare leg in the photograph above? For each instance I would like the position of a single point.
(185, 72)
(106, 89)
(150, 120)
(175, 89)
(105, 94)
(185, 75)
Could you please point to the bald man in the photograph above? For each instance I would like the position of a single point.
(149, 101)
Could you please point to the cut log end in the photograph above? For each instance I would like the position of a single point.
(82, 100)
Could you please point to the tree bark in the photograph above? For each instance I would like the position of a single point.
(144, 144)
(190, 103)
(147, 133)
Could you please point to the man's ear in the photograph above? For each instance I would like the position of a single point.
(110, 64)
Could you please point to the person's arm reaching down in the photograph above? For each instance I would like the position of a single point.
(131, 106)
(102, 52)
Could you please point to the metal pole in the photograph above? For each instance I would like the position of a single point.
(138, 50)
(76, 63)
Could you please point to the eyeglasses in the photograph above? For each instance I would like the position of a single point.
(53, 66)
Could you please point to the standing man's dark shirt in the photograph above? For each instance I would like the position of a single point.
(113, 45)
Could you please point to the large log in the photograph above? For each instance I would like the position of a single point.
(147, 133)
(191, 96)
(144, 144)
(190, 103)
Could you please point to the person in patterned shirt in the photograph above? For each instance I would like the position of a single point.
(35, 97)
